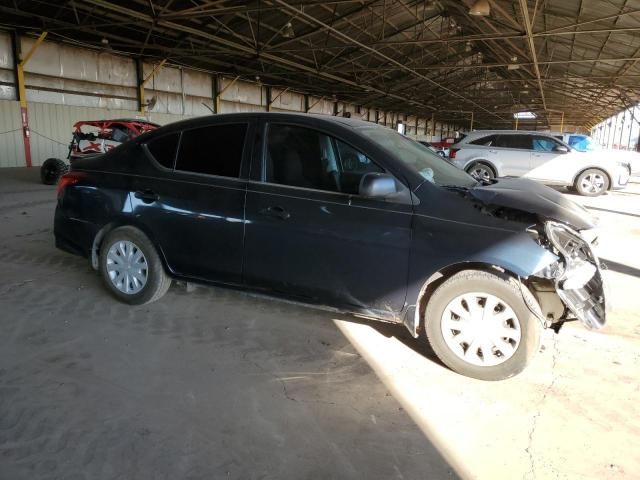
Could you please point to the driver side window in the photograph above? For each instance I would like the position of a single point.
(354, 165)
(544, 144)
(303, 157)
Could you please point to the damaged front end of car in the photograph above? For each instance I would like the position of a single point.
(575, 278)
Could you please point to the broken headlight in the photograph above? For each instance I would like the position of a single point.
(568, 242)
(580, 284)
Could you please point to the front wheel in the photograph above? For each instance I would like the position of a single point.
(131, 268)
(479, 325)
(592, 182)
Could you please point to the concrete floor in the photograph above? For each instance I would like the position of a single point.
(221, 384)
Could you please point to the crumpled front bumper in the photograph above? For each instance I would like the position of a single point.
(581, 286)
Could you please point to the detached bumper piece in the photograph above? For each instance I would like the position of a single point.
(586, 302)
(580, 284)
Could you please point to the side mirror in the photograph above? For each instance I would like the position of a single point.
(561, 149)
(377, 185)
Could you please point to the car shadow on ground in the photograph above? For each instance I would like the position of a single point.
(621, 268)
(398, 331)
(617, 212)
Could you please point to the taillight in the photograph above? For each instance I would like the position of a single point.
(66, 180)
(452, 152)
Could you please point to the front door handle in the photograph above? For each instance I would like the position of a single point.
(147, 196)
(277, 212)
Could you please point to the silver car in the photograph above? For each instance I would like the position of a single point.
(487, 154)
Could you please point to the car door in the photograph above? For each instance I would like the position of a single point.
(194, 206)
(308, 232)
(552, 164)
(513, 154)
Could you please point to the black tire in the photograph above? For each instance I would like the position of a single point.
(505, 289)
(592, 182)
(157, 280)
(481, 171)
(52, 169)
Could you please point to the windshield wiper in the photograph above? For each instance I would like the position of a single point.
(456, 187)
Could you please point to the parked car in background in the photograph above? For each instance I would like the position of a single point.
(584, 143)
(91, 137)
(445, 144)
(342, 213)
(487, 154)
(443, 152)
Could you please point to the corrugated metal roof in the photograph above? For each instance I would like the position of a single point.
(573, 57)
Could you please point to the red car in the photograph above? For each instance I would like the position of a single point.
(93, 137)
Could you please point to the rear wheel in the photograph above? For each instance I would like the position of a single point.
(479, 325)
(131, 268)
(592, 182)
(52, 169)
(481, 171)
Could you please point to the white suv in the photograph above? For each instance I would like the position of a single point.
(487, 154)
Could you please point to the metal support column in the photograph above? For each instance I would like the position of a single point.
(144, 82)
(214, 93)
(268, 92)
(20, 62)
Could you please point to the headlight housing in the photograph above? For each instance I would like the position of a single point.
(579, 284)
(567, 241)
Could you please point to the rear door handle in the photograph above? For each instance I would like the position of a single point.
(147, 196)
(277, 212)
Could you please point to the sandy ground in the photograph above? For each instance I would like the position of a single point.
(222, 384)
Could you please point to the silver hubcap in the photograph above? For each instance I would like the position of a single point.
(127, 267)
(481, 173)
(592, 183)
(481, 329)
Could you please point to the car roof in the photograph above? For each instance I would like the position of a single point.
(321, 119)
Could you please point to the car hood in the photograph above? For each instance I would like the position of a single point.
(532, 197)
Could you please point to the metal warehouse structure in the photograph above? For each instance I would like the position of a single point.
(435, 65)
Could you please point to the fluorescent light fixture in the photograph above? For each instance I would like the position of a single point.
(287, 31)
(524, 115)
(480, 8)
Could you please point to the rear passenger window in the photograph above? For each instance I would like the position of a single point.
(212, 150)
(514, 141)
(164, 149)
(485, 141)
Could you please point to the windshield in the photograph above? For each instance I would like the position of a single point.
(583, 143)
(430, 165)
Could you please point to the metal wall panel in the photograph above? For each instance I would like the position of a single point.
(11, 143)
(6, 52)
(235, 107)
(322, 106)
(166, 79)
(65, 61)
(287, 101)
(79, 93)
(242, 92)
(198, 84)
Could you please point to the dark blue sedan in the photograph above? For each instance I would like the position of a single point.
(341, 213)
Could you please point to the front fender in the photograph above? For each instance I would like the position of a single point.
(443, 247)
